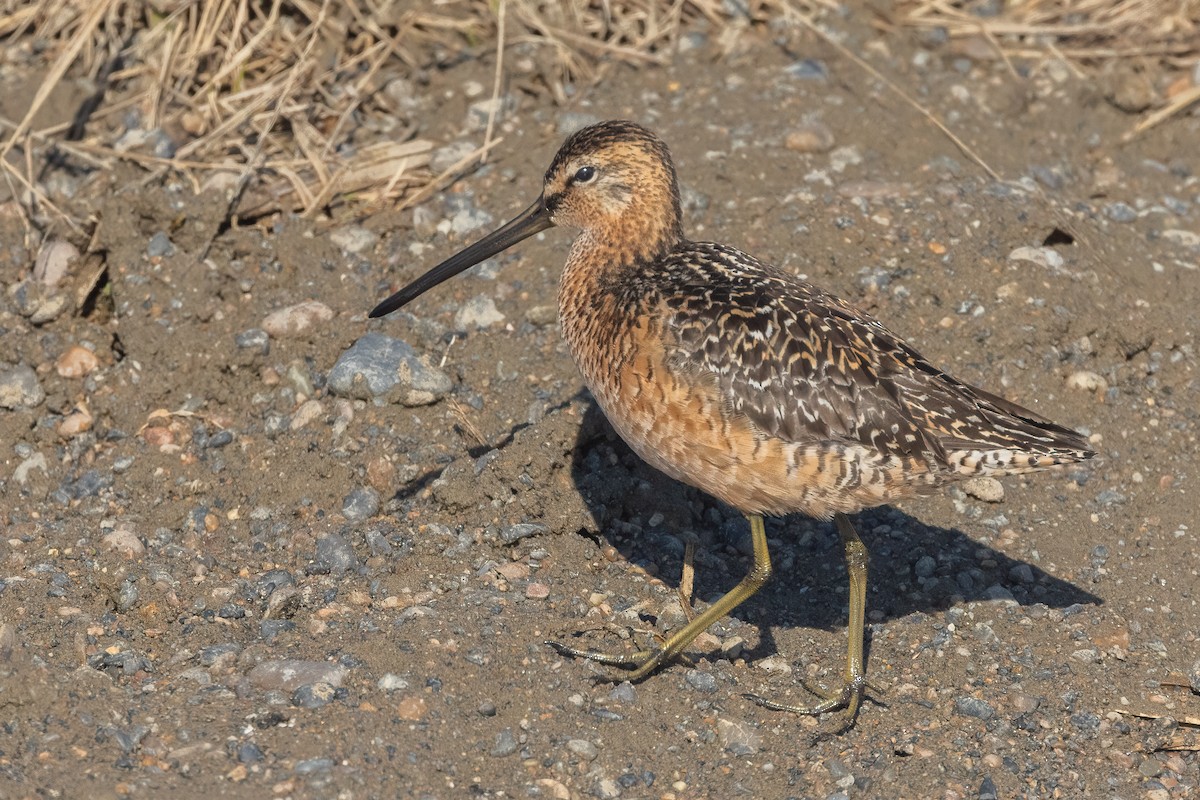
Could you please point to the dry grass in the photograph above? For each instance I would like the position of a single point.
(275, 96)
(1084, 31)
(280, 102)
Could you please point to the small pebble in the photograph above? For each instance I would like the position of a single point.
(362, 503)
(392, 682)
(308, 412)
(583, 748)
(701, 681)
(738, 737)
(984, 488)
(289, 674)
(607, 789)
(447, 156)
(353, 238)
(379, 367)
(514, 533)
(1042, 256)
(335, 555)
(1120, 212)
(624, 692)
(477, 313)
(974, 707)
(124, 540)
(314, 695)
(775, 665)
(160, 246)
(412, 708)
(505, 744)
(19, 388)
(542, 315)
(293, 321)
(53, 262)
(811, 138)
(249, 753)
(76, 362)
(1086, 381)
(254, 340)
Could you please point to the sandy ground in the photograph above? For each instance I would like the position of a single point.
(226, 573)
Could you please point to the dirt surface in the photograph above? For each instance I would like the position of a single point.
(223, 575)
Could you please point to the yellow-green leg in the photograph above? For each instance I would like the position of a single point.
(854, 681)
(643, 662)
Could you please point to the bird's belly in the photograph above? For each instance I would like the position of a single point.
(684, 429)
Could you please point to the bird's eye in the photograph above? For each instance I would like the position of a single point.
(584, 175)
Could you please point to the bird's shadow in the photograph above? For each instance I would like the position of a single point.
(915, 568)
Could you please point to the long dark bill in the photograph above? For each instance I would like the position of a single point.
(532, 220)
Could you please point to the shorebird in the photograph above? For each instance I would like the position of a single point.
(744, 381)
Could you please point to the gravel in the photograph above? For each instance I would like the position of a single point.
(378, 367)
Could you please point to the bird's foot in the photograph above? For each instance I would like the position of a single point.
(639, 663)
(853, 689)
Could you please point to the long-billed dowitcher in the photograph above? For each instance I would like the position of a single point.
(744, 381)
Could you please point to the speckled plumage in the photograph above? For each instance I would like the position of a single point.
(761, 389)
(744, 381)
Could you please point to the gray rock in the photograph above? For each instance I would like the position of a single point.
(383, 368)
(353, 238)
(334, 554)
(19, 388)
(808, 69)
(1120, 212)
(315, 695)
(542, 315)
(160, 246)
(250, 753)
(505, 745)
(974, 707)
(53, 262)
(925, 567)
(35, 461)
(583, 748)
(519, 531)
(479, 111)
(296, 319)
(50, 309)
(469, 220)
(254, 340)
(360, 504)
(738, 737)
(446, 157)
(209, 655)
(312, 766)
(391, 682)
(478, 312)
(289, 674)
(1194, 676)
(701, 681)
(607, 789)
(624, 693)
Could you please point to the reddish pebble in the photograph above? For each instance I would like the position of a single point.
(537, 591)
(412, 709)
(76, 362)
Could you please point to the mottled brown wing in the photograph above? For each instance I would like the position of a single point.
(804, 365)
(799, 363)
